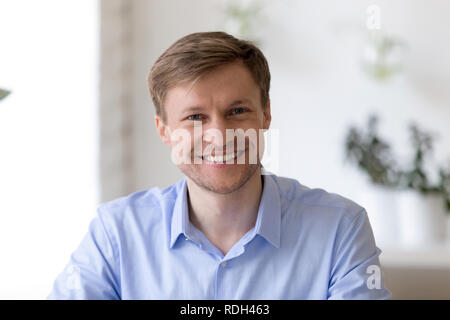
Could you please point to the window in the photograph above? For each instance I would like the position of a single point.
(48, 139)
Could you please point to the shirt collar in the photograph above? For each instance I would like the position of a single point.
(268, 221)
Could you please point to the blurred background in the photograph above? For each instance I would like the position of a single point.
(359, 93)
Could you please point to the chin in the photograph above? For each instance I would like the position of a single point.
(222, 188)
(227, 185)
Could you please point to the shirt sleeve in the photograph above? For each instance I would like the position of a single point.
(92, 269)
(356, 272)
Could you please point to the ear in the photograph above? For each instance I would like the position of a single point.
(267, 116)
(163, 130)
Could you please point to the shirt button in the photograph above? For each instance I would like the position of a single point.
(223, 264)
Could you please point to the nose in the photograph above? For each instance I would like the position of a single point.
(214, 132)
(218, 123)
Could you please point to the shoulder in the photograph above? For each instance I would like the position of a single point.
(142, 206)
(316, 202)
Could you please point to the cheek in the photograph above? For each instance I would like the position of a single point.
(255, 122)
(181, 145)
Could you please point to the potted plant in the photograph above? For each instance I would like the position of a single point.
(372, 155)
(403, 199)
(423, 204)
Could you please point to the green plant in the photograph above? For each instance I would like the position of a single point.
(372, 154)
(444, 186)
(374, 157)
(380, 62)
(241, 18)
(415, 177)
(4, 93)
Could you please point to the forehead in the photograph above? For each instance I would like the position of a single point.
(220, 85)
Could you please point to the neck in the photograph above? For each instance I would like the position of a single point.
(225, 218)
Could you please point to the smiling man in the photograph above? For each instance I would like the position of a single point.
(229, 229)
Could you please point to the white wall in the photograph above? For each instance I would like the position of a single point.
(314, 50)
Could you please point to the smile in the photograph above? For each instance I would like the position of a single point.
(221, 159)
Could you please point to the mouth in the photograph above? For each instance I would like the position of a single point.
(223, 159)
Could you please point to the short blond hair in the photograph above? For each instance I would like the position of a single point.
(193, 55)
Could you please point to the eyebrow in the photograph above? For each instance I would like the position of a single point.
(192, 109)
(241, 101)
(197, 108)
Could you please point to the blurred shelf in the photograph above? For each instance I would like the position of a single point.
(436, 256)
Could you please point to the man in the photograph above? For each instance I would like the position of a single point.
(228, 230)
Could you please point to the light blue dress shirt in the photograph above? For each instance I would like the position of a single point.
(306, 244)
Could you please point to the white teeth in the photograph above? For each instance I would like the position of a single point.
(220, 158)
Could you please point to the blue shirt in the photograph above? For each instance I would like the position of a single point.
(306, 244)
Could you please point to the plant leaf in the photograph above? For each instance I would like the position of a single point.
(4, 93)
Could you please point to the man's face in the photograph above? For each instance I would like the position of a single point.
(225, 98)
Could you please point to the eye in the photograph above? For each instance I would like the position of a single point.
(194, 117)
(238, 110)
